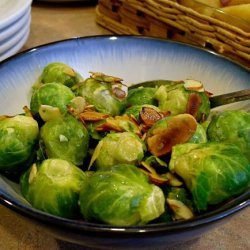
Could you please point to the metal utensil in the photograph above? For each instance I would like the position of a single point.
(228, 98)
(215, 101)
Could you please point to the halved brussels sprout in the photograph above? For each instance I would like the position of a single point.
(52, 94)
(107, 96)
(121, 196)
(18, 137)
(60, 73)
(117, 148)
(178, 99)
(231, 126)
(53, 187)
(65, 138)
(141, 96)
(213, 172)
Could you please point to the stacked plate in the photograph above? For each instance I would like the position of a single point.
(15, 17)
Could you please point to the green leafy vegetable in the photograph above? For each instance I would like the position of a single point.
(53, 187)
(121, 196)
(65, 138)
(213, 172)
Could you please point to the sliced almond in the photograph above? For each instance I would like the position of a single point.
(95, 154)
(116, 124)
(181, 211)
(48, 112)
(78, 104)
(149, 116)
(173, 180)
(167, 178)
(179, 129)
(27, 111)
(193, 85)
(33, 172)
(92, 116)
(119, 92)
(70, 72)
(106, 78)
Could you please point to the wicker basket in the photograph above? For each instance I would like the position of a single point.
(169, 19)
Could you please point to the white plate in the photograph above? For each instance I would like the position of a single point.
(17, 46)
(11, 10)
(14, 27)
(13, 40)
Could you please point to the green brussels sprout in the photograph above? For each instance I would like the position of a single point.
(141, 96)
(213, 172)
(116, 148)
(65, 138)
(200, 135)
(103, 96)
(121, 196)
(52, 94)
(178, 99)
(53, 187)
(231, 126)
(60, 73)
(18, 137)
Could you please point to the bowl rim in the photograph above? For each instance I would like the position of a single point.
(228, 209)
(120, 36)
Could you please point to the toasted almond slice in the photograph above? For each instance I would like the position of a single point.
(193, 104)
(193, 85)
(180, 129)
(70, 72)
(181, 211)
(173, 180)
(148, 167)
(33, 173)
(48, 112)
(92, 116)
(155, 178)
(119, 93)
(95, 154)
(106, 78)
(78, 104)
(149, 116)
(27, 111)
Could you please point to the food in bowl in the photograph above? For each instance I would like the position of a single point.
(127, 156)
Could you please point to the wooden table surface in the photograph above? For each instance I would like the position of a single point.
(51, 23)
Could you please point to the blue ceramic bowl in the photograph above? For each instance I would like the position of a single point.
(134, 59)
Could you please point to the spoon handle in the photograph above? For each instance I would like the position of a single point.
(223, 99)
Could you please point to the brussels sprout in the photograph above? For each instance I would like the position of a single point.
(178, 99)
(231, 126)
(200, 135)
(60, 73)
(121, 196)
(118, 148)
(65, 138)
(107, 97)
(52, 94)
(53, 187)
(213, 172)
(18, 137)
(141, 96)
